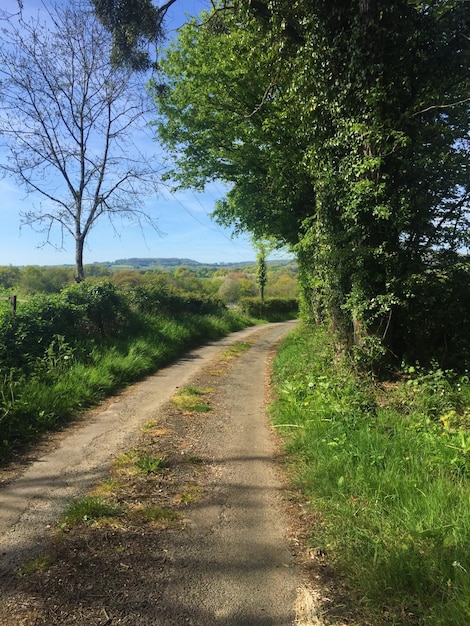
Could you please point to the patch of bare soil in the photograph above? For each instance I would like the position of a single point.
(140, 563)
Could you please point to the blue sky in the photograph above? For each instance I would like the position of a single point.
(183, 218)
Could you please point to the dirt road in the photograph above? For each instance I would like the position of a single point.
(223, 560)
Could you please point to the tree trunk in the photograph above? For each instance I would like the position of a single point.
(79, 272)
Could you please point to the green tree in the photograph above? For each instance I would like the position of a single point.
(261, 267)
(389, 161)
(39, 279)
(229, 290)
(223, 116)
(282, 285)
(186, 279)
(342, 129)
(247, 288)
(236, 286)
(96, 269)
(133, 24)
(9, 276)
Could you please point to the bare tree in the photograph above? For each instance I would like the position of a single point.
(67, 118)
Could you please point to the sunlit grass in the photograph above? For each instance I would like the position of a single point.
(163, 517)
(237, 349)
(150, 465)
(125, 460)
(386, 477)
(107, 488)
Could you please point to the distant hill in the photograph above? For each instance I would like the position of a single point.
(138, 263)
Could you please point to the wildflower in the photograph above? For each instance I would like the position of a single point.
(459, 566)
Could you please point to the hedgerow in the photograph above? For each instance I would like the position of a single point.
(63, 352)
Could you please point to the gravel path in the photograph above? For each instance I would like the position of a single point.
(228, 564)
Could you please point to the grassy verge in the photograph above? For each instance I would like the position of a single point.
(386, 471)
(70, 378)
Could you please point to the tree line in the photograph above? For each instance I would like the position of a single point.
(230, 284)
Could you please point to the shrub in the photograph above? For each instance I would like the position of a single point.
(64, 352)
(79, 312)
(160, 298)
(271, 309)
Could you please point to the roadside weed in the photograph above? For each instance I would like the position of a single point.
(191, 493)
(88, 510)
(39, 564)
(195, 460)
(162, 516)
(150, 465)
(107, 488)
(136, 461)
(125, 461)
(71, 374)
(237, 349)
(191, 399)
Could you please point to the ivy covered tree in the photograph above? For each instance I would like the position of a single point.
(386, 104)
(343, 130)
(263, 248)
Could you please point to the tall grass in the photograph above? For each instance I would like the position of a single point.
(69, 378)
(386, 470)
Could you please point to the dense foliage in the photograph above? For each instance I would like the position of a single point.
(343, 130)
(229, 282)
(62, 351)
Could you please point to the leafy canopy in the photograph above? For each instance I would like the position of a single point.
(342, 129)
(223, 116)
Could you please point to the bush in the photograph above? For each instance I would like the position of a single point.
(63, 352)
(100, 310)
(270, 309)
(80, 312)
(160, 298)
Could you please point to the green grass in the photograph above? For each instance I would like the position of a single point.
(237, 349)
(88, 510)
(192, 399)
(150, 465)
(39, 564)
(387, 474)
(58, 388)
